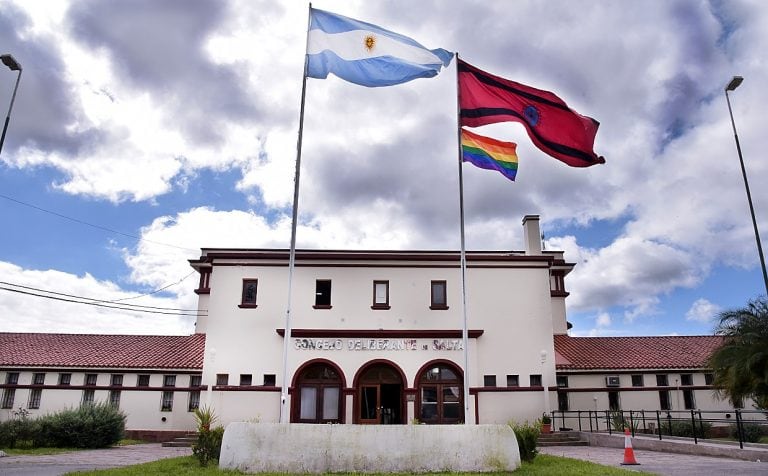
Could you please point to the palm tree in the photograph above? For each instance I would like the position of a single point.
(740, 365)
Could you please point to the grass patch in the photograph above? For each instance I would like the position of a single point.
(542, 465)
(37, 451)
(129, 442)
(28, 450)
(185, 465)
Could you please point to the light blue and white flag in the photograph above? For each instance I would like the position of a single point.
(365, 54)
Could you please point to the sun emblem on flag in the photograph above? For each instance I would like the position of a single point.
(370, 42)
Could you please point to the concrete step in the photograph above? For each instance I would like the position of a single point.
(563, 443)
(185, 441)
(562, 438)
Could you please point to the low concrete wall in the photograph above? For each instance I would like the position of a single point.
(297, 448)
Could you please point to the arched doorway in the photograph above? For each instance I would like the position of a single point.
(440, 394)
(380, 395)
(318, 394)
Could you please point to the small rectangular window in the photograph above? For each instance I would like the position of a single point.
(88, 396)
(169, 380)
(166, 404)
(664, 400)
(562, 401)
(117, 380)
(562, 381)
(142, 380)
(34, 398)
(686, 379)
(194, 400)
(269, 380)
(12, 378)
(709, 379)
(513, 380)
(65, 379)
(246, 379)
(637, 380)
(250, 287)
(535, 380)
(222, 379)
(38, 379)
(380, 295)
(195, 380)
(438, 295)
(114, 398)
(90, 379)
(662, 381)
(323, 294)
(489, 380)
(9, 394)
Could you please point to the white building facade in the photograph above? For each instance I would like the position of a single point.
(376, 337)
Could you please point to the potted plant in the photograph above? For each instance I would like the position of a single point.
(546, 424)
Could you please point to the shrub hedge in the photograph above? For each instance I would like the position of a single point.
(88, 426)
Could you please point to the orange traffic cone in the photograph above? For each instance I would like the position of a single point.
(629, 454)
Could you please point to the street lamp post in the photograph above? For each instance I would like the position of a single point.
(14, 65)
(735, 82)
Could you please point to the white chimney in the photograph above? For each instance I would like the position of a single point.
(532, 235)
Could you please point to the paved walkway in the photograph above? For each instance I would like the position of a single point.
(62, 463)
(667, 464)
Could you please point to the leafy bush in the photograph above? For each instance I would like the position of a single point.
(685, 429)
(19, 431)
(751, 432)
(208, 446)
(620, 421)
(88, 426)
(527, 437)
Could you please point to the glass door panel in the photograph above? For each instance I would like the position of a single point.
(428, 411)
(308, 409)
(369, 404)
(331, 403)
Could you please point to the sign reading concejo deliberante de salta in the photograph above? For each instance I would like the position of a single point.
(378, 344)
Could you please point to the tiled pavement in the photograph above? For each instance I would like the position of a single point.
(668, 464)
(62, 463)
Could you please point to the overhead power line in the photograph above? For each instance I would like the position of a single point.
(42, 293)
(155, 291)
(98, 227)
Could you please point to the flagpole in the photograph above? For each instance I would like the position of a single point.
(284, 414)
(464, 331)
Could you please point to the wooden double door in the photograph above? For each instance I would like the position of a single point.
(380, 396)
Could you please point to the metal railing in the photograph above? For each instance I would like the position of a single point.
(695, 424)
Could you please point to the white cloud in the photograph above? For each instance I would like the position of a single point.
(603, 320)
(702, 311)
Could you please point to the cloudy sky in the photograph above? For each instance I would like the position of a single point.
(145, 130)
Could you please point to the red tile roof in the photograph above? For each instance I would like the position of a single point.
(93, 350)
(661, 352)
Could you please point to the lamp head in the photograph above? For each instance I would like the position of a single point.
(735, 82)
(11, 62)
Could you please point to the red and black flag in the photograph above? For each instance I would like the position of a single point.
(555, 128)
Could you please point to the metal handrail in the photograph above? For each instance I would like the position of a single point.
(659, 422)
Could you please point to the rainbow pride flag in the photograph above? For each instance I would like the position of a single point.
(490, 154)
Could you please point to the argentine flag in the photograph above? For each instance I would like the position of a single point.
(365, 54)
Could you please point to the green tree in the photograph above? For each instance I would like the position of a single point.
(740, 365)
